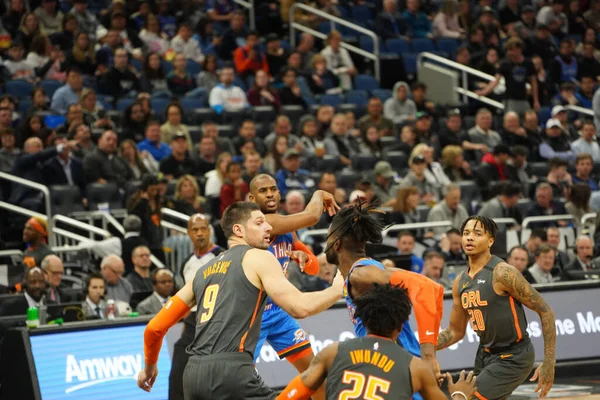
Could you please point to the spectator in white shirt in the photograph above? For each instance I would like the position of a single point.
(338, 60)
(445, 24)
(587, 142)
(153, 37)
(225, 96)
(183, 43)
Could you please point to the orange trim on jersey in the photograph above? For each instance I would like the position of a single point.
(294, 347)
(256, 307)
(479, 396)
(514, 313)
(380, 337)
(292, 358)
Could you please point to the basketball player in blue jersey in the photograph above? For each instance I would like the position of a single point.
(278, 328)
(348, 234)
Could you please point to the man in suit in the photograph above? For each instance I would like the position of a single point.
(64, 169)
(162, 281)
(389, 23)
(140, 276)
(505, 204)
(33, 296)
(53, 272)
(584, 249)
(94, 305)
(562, 258)
(545, 205)
(29, 166)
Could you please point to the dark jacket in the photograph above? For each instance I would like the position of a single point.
(29, 166)
(54, 174)
(118, 83)
(97, 165)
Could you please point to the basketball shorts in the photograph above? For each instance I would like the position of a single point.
(283, 333)
(499, 372)
(229, 376)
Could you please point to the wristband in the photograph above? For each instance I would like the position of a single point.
(458, 392)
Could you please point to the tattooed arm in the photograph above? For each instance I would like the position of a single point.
(508, 279)
(458, 321)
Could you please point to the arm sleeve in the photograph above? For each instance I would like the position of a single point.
(296, 390)
(427, 298)
(157, 328)
(312, 265)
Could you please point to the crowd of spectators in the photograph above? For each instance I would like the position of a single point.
(179, 104)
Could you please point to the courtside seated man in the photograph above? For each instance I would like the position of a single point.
(230, 293)
(374, 366)
(348, 235)
(491, 293)
(278, 328)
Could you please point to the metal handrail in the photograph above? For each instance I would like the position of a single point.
(106, 217)
(453, 64)
(415, 226)
(37, 186)
(250, 6)
(506, 221)
(335, 20)
(482, 99)
(580, 110)
(10, 253)
(175, 214)
(169, 225)
(587, 217)
(313, 232)
(81, 225)
(69, 235)
(545, 218)
(20, 210)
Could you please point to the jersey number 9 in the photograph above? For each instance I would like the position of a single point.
(362, 384)
(208, 302)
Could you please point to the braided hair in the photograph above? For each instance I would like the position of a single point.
(383, 309)
(357, 224)
(488, 224)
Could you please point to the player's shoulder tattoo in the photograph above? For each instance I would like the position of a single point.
(518, 287)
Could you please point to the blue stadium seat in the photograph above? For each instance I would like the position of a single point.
(241, 84)
(325, 27)
(398, 46)
(19, 88)
(332, 99)
(293, 113)
(227, 131)
(361, 13)
(193, 67)
(358, 97)
(366, 43)
(202, 115)
(363, 162)
(166, 66)
(159, 105)
(410, 63)
(382, 94)
(263, 114)
(50, 86)
(398, 159)
(422, 45)
(106, 101)
(137, 64)
(448, 45)
(365, 82)
(191, 103)
(234, 117)
(285, 44)
(24, 106)
(544, 115)
(123, 104)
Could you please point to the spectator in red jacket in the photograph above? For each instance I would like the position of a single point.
(248, 59)
(234, 189)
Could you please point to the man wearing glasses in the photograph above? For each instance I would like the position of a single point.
(140, 276)
(53, 272)
(117, 288)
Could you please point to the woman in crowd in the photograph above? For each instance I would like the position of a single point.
(321, 79)
(405, 208)
(216, 177)
(28, 30)
(208, 78)
(155, 40)
(187, 199)
(434, 172)
(39, 101)
(338, 60)
(134, 123)
(175, 125)
(180, 81)
(312, 144)
(446, 24)
(455, 166)
(45, 60)
(83, 58)
(272, 161)
(140, 163)
(371, 142)
(261, 93)
(153, 78)
(33, 126)
(579, 202)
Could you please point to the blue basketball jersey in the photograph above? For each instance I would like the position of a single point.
(406, 338)
(280, 245)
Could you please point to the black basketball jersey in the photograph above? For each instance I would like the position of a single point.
(498, 320)
(370, 367)
(230, 307)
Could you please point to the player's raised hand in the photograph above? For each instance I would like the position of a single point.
(146, 377)
(544, 374)
(299, 257)
(466, 384)
(329, 204)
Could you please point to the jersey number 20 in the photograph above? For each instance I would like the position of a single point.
(476, 320)
(369, 385)
(208, 302)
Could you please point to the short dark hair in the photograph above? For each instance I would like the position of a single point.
(511, 189)
(88, 281)
(405, 233)
(544, 248)
(519, 150)
(452, 231)
(232, 164)
(539, 233)
(383, 309)
(488, 224)
(237, 213)
(517, 248)
(251, 33)
(587, 122)
(557, 163)
(152, 122)
(433, 254)
(583, 156)
(419, 85)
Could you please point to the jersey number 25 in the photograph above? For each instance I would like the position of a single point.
(369, 385)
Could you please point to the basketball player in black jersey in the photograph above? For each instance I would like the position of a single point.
(491, 294)
(374, 366)
(230, 293)
(198, 230)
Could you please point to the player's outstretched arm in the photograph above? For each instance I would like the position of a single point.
(270, 277)
(508, 279)
(424, 382)
(176, 308)
(303, 386)
(320, 201)
(459, 319)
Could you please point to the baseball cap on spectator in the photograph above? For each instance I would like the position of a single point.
(384, 168)
(271, 37)
(453, 111)
(290, 153)
(422, 114)
(356, 195)
(527, 9)
(178, 135)
(488, 10)
(557, 109)
(553, 123)
(418, 159)
(502, 149)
